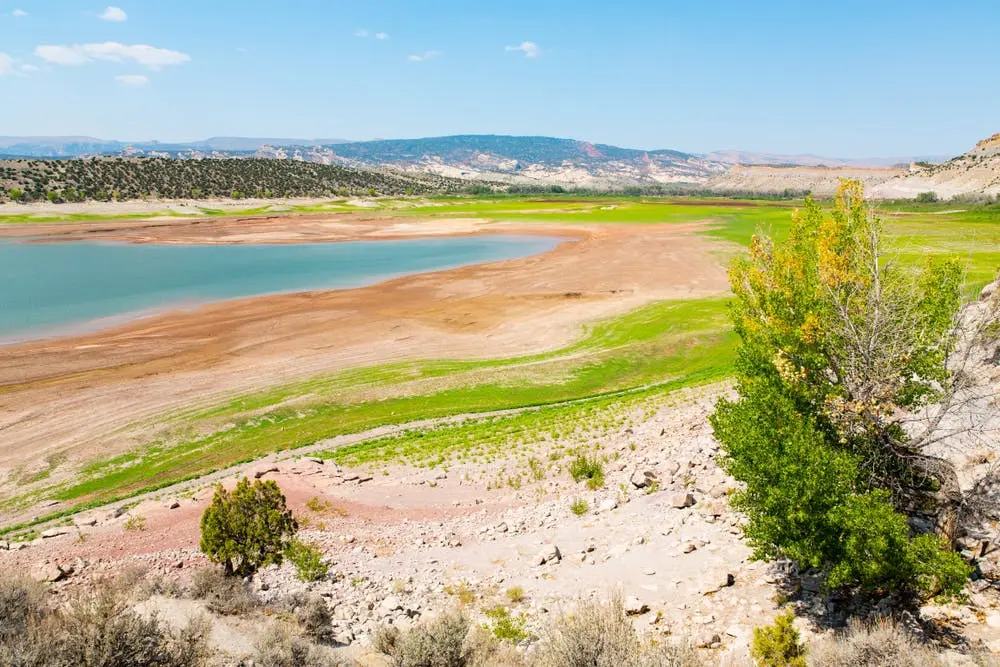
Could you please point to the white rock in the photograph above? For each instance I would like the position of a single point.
(681, 500)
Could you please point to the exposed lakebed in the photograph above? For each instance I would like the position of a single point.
(52, 288)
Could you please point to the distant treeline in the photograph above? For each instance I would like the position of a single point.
(119, 179)
(658, 190)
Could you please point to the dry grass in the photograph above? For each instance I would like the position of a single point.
(96, 629)
(600, 635)
(279, 647)
(222, 594)
(443, 642)
(880, 644)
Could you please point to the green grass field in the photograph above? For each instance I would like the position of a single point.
(656, 349)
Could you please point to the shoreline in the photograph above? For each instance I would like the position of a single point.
(98, 395)
(110, 322)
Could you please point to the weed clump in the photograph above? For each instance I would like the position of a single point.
(506, 626)
(316, 621)
(308, 561)
(579, 507)
(584, 467)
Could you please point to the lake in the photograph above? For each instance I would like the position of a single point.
(52, 288)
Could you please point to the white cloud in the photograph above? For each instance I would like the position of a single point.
(19, 13)
(361, 32)
(422, 57)
(530, 49)
(133, 80)
(114, 14)
(6, 65)
(381, 35)
(28, 69)
(81, 54)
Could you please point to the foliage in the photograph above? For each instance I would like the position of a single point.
(22, 604)
(123, 179)
(579, 507)
(515, 594)
(879, 644)
(308, 561)
(836, 344)
(135, 522)
(927, 197)
(506, 626)
(588, 468)
(247, 528)
(778, 645)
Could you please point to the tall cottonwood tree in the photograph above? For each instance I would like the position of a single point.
(840, 347)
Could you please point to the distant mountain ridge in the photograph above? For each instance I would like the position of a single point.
(82, 146)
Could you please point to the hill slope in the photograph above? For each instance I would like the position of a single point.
(133, 178)
(975, 173)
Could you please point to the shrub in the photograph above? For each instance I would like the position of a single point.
(837, 347)
(248, 528)
(278, 647)
(778, 645)
(594, 635)
(506, 626)
(927, 197)
(590, 469)
(439, 643)
(880, 644)
(222, 594)
(579, 507)
(316, 621)
(308, 561)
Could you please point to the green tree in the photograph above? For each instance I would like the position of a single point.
(838, 346)
(15, 194)
(247, 528)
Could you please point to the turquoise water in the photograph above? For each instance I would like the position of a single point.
(51, 288)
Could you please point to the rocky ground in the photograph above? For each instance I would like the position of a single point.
(404, 543)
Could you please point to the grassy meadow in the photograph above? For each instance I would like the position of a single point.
(650, 352)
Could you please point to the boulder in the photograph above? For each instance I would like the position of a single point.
(260, 472)
(607, 505)
(681, 500)
(989, 291)
(314, 459)
(54, 532)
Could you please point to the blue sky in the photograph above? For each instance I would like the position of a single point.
(845, 79)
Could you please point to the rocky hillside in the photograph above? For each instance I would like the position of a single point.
(515, 160)
(975, 173)
(777, 179)
(103, 179)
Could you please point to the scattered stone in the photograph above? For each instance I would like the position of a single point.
(714, 585)
(173, 504)
(87, 521)
(117, 512)
(681, 500)
(50, 574)
(634, 606)
(989, 290)
(607, 505)
(548, 554)
(643, 479)
(649, 572)
(362, 480)
(688, 547)
(260, 472)
(314, 459)
(54, 532)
